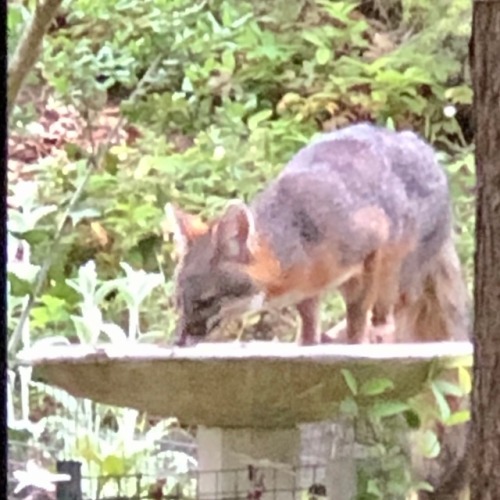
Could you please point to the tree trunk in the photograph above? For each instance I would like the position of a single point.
(485, 52)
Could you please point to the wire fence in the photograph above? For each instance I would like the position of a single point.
(247, 484)
(160, 480)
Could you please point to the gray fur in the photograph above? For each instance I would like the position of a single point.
(313, 202)
(344, 171)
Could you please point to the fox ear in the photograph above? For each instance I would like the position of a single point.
(235, 231)
(184, 227)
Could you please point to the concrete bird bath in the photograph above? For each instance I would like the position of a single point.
(247, 399)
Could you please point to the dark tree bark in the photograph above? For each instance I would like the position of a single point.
(485, 53)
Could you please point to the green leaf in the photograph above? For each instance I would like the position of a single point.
(462, 94)
(349, 407)
(459, 417)
(443, 406)
(113, 465)
(464, 380)
(84, 332)
(228, 60)
(429, 444)
(323, 55)
(147, 163)
(447, 388)
(390, 124)
(22, 222)
(380, 96)
(15, 222)
(376, 386)
(312, 37)
(36, 236)
(146, 286)
(382, 409)
(19, 287)
(88, 449)
(51, 309)
(40, 317)
(254, 121)
(128, 295)
(462, 361)
(85, 213)
(39, 213)
(86, 282)
(114, 332)
(23, 271)
(372, 488)
(350, 381)
(187, 86)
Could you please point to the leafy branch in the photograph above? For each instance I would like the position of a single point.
(28, 49)
(94, 162)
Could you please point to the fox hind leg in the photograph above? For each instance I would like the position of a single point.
(388, 291)
(374, 291)
(359, 295)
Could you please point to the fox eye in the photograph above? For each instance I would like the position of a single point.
(205, 303)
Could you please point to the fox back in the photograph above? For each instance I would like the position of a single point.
(340, 200)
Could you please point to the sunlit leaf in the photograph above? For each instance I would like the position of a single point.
(376, 386)
(323, 55)
(443, 406)
(114, 332)
(382, 409)
(350, 381)
(429, 444)
(459, 417)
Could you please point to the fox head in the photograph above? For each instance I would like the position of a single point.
(213, 276)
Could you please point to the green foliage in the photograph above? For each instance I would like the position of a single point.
(382, 423)
(111, 443)
(240, 87)
(244, 86)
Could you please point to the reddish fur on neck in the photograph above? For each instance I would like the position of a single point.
(306, 278)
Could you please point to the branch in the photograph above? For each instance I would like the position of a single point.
(28, 48)
(93, 163)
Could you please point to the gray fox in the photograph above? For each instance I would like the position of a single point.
(364, 210)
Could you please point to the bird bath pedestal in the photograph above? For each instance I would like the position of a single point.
(247, 399)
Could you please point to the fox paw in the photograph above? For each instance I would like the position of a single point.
(384, 333)
(375, 334)
(338, 335)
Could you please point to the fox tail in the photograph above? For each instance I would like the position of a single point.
(442, 310)
(442, 313)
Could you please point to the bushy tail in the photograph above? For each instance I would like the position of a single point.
(442, 313)
(442, 310)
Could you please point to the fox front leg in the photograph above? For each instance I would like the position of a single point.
(310, 330)
(309, 312)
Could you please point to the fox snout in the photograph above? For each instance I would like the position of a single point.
(191, 332)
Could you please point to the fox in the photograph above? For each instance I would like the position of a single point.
(363, 210)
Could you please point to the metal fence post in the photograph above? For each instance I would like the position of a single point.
(72, 489)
